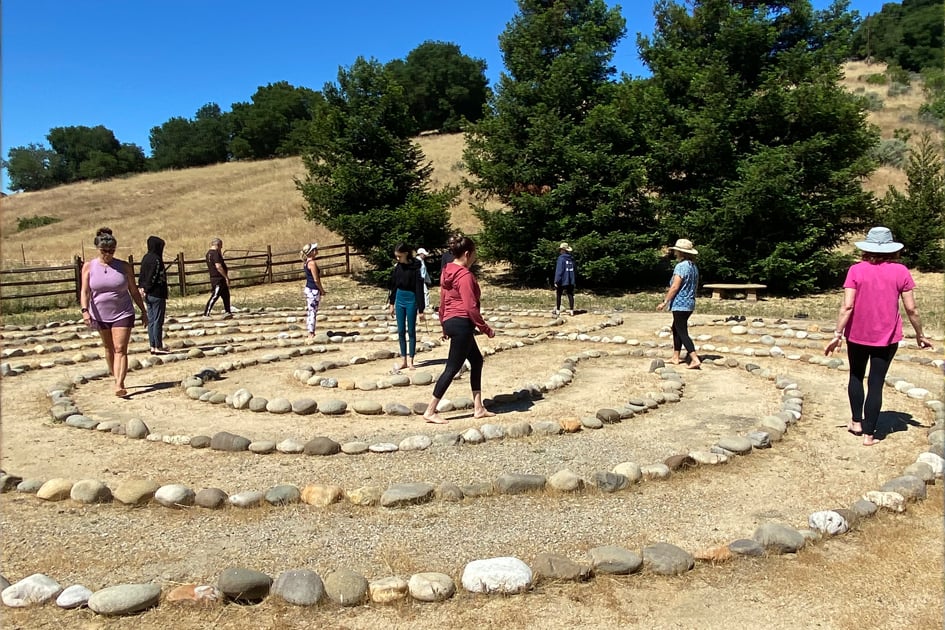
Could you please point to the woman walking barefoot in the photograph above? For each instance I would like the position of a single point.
(681, 300)
(108, 288)
(869, 316)
(314, 291)
(460, 317)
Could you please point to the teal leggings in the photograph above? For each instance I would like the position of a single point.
(405, 308)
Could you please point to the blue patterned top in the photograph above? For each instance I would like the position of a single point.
(685, 299)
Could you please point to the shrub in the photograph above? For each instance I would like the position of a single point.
(899, 75)
(35, 221)
(898, 89)
(875, 79)
(891, 152)
(873, 101)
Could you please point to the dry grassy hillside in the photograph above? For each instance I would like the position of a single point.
(254, 204)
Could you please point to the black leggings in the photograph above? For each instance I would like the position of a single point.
(564, 288)
(680, 330)
(463, 347)
(866, 410)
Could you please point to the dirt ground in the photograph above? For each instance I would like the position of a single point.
(888, 573)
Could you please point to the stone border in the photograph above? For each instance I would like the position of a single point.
(398, 495)
(495, 575)
(232, 327)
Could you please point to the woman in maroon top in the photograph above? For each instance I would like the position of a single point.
(460, 317)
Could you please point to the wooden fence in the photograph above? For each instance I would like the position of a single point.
(184, 277)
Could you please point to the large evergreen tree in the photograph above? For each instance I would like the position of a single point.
(559, 150)
(917, 218)
(757, 154)
(367, 181)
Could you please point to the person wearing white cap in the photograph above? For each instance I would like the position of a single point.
(564, 277)
(314, 291)
(425, 275)
(681, 300)
(869, 318)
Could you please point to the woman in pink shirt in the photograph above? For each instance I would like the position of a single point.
(869, 319)
(460, 317)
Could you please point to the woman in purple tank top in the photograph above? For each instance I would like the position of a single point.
(108, 288)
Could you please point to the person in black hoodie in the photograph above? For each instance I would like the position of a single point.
(405, 297)
(152, 283)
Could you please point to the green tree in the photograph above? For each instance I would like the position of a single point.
(34, 167)
(131, 158)
(908, 35)
(560, 148)
(756, 152)
(275, 123)
(79, 144)
(367, 181)
(443, 86)
(917, 218)
(184, 143)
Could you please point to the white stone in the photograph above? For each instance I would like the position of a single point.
(935, 462)
(35, 589)
(918, 393)
(497, 575)
(892, 501)
(630, 470)
(415, 443)
(431, 587)
(708, 459)
(828, 522)
(74, 596)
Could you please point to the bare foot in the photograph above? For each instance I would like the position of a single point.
(855, 428)
(483, 413)
(675, 361)
(121, 392)
(693, 366)
(434, 418)
(869, 441)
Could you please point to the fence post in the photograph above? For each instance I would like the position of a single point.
(269, 264)
(78, 279)
(347, 260)
(181, 278)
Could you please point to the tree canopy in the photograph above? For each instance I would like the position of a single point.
(560, 151)
(443, 87)
(76, 153)
(367, 180)
(275, 123)
(917, 217)
(755, 149)
(908, 35)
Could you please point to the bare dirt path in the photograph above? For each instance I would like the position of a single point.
(817, 466)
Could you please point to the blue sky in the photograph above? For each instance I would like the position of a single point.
(133, 64)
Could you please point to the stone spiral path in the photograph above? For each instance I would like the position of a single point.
(771, 354)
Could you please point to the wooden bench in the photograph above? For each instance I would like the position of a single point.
(719, 291)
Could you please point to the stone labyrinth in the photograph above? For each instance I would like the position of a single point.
(260, 463)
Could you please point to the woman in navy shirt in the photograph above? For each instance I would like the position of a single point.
(681, 300)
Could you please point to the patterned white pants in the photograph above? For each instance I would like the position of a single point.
(312, 298)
